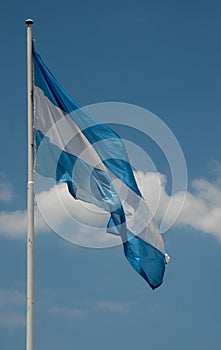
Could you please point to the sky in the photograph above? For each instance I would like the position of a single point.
(163, 56)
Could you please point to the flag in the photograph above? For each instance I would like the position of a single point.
(87, 155)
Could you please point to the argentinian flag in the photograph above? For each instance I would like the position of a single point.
(88, 156)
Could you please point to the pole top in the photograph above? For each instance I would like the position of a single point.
(29, 21)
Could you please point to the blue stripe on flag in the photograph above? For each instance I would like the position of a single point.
(50, 86)
(148, 261)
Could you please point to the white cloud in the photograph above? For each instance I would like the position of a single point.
(85, 224)
(71, 313)
(114, 306)
(13, 224)
(12, 319)
(200, 210)
(6, 192)
(90, 308)
(12, 299)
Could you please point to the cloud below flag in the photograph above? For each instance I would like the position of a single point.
(74, 148)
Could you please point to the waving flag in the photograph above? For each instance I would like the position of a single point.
(88, 156)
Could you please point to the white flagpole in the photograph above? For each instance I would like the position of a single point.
(30, 197)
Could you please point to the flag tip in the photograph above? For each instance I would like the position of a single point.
(29, 21)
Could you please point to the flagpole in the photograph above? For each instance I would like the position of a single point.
(30, 197)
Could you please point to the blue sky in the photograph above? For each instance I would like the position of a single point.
(163, 56)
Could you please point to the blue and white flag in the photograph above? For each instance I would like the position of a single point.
(88, 156)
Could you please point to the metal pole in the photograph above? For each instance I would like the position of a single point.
(30, 197)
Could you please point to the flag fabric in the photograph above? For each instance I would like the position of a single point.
(87, 155)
